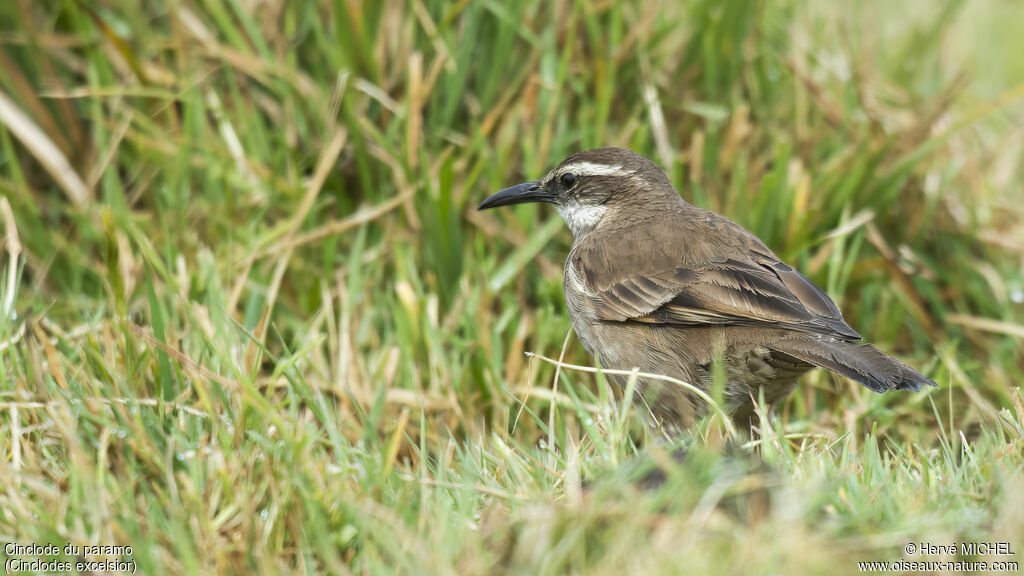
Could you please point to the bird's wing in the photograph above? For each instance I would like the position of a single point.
(715, 273)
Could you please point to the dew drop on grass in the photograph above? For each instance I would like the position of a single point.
(1017, 295)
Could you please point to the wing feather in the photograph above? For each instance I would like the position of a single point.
(636, 279)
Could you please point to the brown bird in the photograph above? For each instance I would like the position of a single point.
(655, 283)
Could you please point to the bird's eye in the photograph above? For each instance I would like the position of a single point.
(568, 179)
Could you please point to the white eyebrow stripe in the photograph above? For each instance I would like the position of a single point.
(591, 169)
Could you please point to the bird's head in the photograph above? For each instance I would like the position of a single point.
(591, 185)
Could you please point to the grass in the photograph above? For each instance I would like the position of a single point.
(250, 321)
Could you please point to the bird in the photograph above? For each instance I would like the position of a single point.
(655, 284)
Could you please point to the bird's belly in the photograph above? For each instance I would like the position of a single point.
(686, 354)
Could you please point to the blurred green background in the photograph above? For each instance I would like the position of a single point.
(251, 322)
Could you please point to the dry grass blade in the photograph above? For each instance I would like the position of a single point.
(13, 243)
(331, 228)
(44, 150)
(648, 375)
(151, 402)
(987, 325)
(195, 369)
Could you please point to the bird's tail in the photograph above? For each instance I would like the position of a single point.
(863, 363)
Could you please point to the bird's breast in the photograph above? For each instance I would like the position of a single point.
(579, 301)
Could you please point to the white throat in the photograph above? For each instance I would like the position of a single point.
(581, 218)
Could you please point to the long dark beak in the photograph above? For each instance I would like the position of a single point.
(518, 194)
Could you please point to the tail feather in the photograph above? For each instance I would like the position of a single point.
(862, 363)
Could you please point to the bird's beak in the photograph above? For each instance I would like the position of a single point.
(518, 194)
